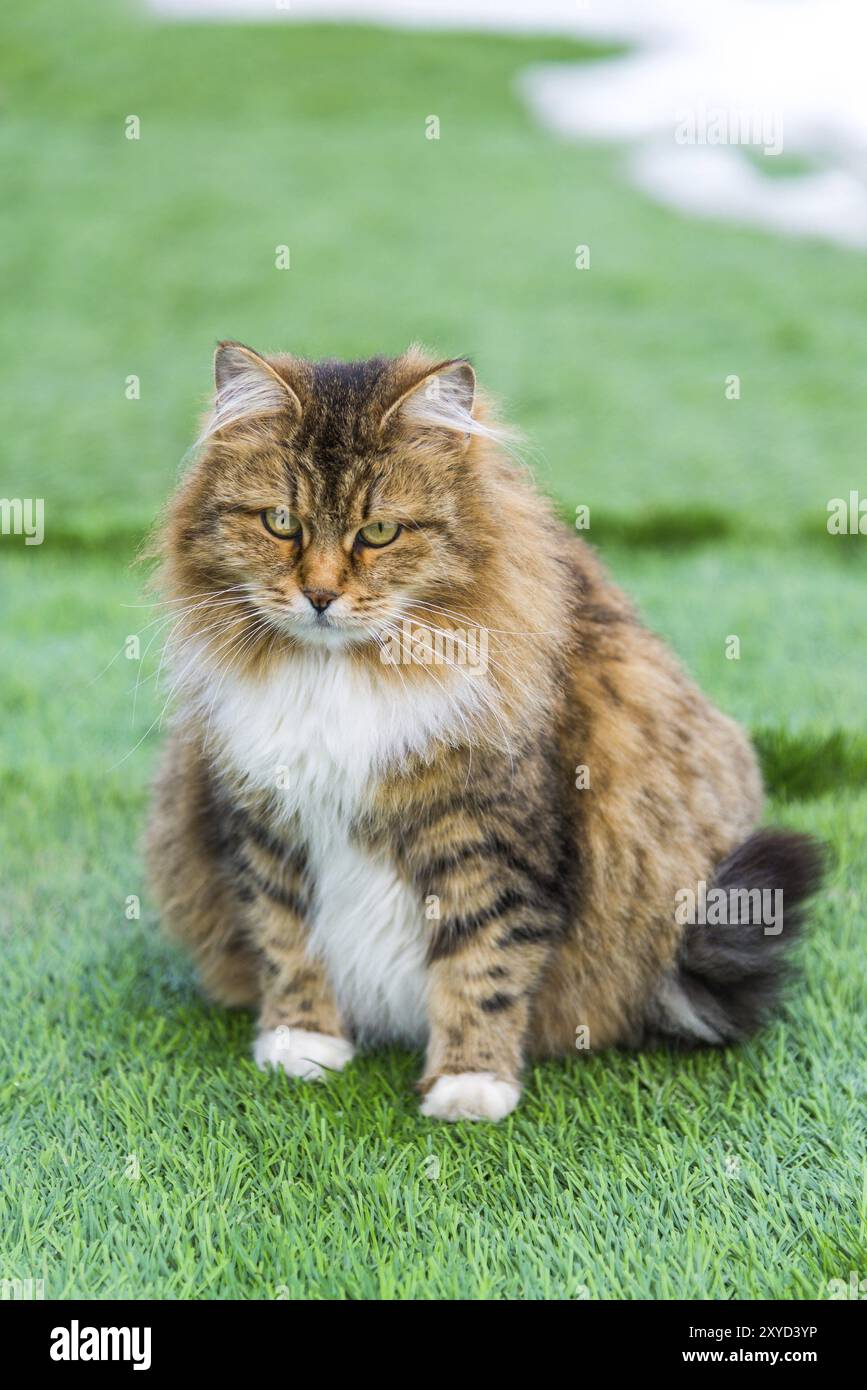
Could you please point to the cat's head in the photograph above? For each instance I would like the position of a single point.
(329, 500)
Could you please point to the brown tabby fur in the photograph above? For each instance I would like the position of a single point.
(556, 902)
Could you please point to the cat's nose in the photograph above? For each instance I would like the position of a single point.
(320, 598)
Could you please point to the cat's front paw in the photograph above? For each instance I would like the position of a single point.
(301, 1053)
(471, 1095)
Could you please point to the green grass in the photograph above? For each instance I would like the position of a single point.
(142, 1154)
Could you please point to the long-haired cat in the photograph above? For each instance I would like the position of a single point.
(430, 780)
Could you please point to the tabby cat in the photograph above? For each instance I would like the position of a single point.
(430, 781)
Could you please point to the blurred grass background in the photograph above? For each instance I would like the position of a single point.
(731, 1175)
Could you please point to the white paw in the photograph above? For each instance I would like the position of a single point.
(301, 1053)
(471, 1095)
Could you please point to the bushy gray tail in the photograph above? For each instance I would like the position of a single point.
(729, 976)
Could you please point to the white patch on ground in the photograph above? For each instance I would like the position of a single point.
(797, 62)
(301, 1053)
(502, 16)
(777, 75)
(470, 1095)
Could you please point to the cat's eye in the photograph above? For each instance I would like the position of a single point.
(379, 533)
(281, 522)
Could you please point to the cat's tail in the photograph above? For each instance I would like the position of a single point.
(733, 958)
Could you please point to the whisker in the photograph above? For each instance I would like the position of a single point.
(449, 697)
(159, 620)
(227, 603)
(473, 622)
(492, 661)
(157, 722)
(246, 644)
(183, 598)
(481, 691)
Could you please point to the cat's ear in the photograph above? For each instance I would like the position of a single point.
(442, 398)
(247, 386)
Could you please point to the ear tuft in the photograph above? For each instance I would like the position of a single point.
(247, 386)
(445, 397)
(442, 399)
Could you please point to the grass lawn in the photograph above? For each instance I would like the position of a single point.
(142, 1154)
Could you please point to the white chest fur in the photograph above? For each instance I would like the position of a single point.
(318, 733)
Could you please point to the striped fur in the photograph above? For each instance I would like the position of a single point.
(368, 851)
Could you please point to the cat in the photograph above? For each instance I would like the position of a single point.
(430, 781)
